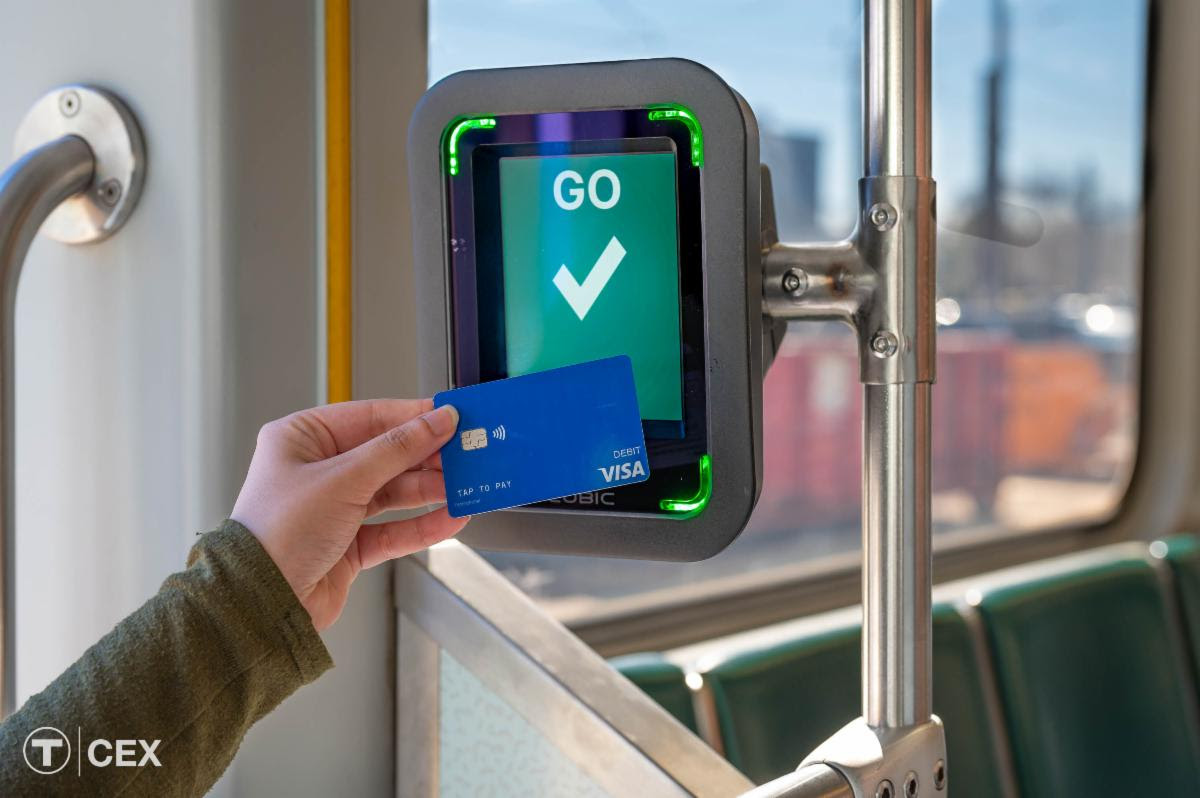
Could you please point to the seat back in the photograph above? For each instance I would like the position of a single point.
(777, 702)
(1075, 673)
(662, 680)
(1183, 554)
(1093, 681)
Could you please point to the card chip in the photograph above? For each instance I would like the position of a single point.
(474, 439)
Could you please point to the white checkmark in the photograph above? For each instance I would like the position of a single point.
(582, 297)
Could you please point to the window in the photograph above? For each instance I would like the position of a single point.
(1038, 128)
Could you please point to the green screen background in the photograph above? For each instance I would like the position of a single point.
(637, 312)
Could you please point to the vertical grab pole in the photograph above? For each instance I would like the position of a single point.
(897, 582)
(881, 282)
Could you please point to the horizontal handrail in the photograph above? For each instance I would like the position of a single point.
(810, 781)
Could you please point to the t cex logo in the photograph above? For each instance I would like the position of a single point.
(47, 750)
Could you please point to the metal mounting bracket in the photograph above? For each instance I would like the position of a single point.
(104, 123)
(906, 762)
(858, 280)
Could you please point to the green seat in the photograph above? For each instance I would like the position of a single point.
(776, 703)
(1183, 553)
(662, 681)
(1092, 678)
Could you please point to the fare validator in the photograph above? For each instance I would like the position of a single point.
(565, 214)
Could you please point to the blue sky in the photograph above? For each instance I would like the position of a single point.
(1075, 95)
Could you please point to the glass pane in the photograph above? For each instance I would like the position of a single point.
(1038, 129)
(486, 747)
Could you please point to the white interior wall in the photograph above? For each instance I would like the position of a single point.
(122, 433)
(147, 363)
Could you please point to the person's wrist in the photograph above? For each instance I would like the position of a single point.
(273, 546)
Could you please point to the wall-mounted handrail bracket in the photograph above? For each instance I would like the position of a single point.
(112, 133)
(79, 169)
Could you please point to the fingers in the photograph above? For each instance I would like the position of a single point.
(379, 543)
(410, 489)
(352, 424)
(382, 458)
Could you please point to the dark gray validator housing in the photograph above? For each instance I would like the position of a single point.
(732, 290)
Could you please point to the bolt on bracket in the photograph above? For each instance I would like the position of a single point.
(858, 281)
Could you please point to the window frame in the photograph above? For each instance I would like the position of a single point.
(1162, 487)
(1163, 476)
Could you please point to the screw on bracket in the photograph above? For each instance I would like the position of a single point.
(885, 790)
(68, 103)
(939, 774)
(884, 344)
(910, 785)
(110, 191)
(795, 282)
(881, 216)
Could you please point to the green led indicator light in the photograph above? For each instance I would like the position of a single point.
(660, 113)
(456, 130)
(694, 505)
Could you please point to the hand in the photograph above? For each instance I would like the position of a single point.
(318, 474)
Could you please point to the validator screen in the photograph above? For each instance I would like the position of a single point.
(591, 267)
(576, 237)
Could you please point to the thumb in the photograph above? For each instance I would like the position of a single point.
(400, 448)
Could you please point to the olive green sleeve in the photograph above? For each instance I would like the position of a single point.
(219, 646)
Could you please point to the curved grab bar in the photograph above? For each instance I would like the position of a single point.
(30, 190)
(58, 168)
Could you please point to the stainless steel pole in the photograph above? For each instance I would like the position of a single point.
(812, 781)
(30, 190)
(896, 88)
(896, 415)
(896, 568)
(881, 281)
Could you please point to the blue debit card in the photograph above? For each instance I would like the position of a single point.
(543, 436)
